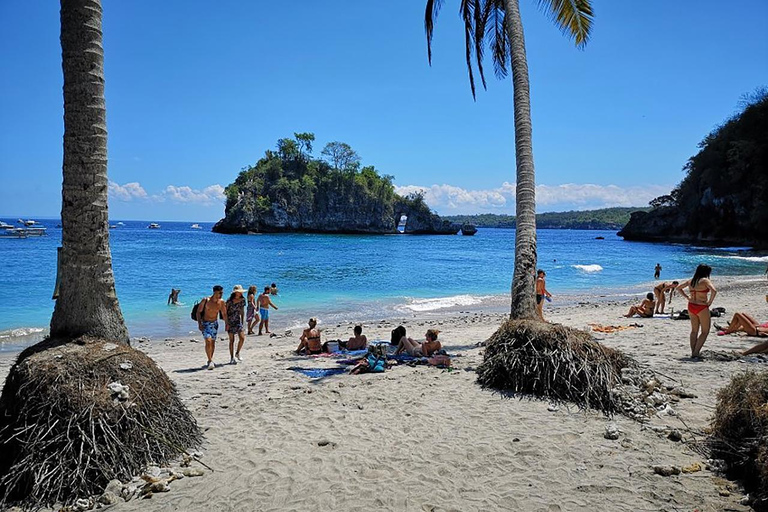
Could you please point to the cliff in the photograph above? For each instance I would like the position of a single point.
(290, 191)
(723, 199)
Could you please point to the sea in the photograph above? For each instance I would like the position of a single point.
(338, 278)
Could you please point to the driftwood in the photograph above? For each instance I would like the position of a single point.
(75, 416)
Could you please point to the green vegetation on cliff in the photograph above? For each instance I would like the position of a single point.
(289, 190)
(724, 195)
(604, 218)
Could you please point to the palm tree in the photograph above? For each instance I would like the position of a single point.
(87, 303)
(496, 24)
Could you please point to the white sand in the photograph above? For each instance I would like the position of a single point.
(420, 438)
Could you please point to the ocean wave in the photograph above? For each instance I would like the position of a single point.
(442, 302)
(758, 259)
(588, 268)
(20, 332)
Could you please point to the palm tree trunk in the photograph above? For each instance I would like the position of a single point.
(523, 280)
(87, 302)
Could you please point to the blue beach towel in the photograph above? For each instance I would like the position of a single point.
(318, 373)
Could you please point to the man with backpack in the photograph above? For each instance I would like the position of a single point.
(208, 312)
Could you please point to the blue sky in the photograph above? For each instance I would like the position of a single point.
(195, 93)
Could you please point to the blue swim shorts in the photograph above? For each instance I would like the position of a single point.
(210, 330)
(264, 312)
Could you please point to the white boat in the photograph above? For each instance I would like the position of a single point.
(14, 233)
(195, 226)
(30, 222)
(112, 226)
(35, 231)
(154, 225)
(120, 224)
(3, 225)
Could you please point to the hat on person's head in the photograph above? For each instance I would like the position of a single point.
(238, 288)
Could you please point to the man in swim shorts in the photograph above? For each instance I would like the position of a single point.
(541, 293)
(657, 271)
(264, 303)
(208, 320)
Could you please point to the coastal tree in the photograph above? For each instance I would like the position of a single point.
(340, 155)
(64, 431)
(304, 141)
(497, 26)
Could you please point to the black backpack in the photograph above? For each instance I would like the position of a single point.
(194, 309)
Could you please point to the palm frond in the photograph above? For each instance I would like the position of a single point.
(430, 17)
(573, 17)
(496, 36)
(467, 10)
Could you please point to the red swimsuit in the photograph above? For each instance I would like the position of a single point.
(695, 309)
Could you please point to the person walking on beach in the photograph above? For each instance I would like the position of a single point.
(208, 320)
(173, 298)
(264, 303)
(235, 317)
(698, 306)
(541, 293)
(657, 271)
(251, 317)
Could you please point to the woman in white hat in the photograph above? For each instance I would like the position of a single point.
(235, 319)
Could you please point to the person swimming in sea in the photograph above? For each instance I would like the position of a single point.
(310, 339)
(702, 294)
(173, 297)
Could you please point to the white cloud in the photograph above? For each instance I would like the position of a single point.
(210, 195)
(127, 192)
(184, 194)
(449, 199)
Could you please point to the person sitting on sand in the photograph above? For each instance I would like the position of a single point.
(310, 339)
(359, 341)
(173, 298)
(397, 334)
(414, 348)
(742, 322)
(659, 292)
(644, 309)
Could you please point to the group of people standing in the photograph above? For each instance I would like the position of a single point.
(236, 320)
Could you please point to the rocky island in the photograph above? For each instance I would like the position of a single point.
(290, 191)
(723, 199)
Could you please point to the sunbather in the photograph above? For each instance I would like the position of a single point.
(744, 323)
(414, 348)
(359, 341)
(310, 339)
(644, 309)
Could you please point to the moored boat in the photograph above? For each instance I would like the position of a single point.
(153, 225)
(196, 226)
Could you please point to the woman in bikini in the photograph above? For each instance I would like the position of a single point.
(743, 322)
(698, 305)
(660, 291)
(310, 339)
(414, 348)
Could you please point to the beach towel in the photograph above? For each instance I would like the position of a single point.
(612, 328)
(318, 373)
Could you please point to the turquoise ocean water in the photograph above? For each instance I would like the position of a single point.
(334, 277)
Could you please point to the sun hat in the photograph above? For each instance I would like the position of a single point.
(238, 288)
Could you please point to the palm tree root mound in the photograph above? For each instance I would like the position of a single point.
(554, 362)
(74, 416)
(740, 433)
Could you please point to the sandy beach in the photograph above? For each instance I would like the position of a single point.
(423, 438)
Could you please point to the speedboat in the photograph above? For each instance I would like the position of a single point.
(195, 226)
(14, 233)
(30, 222)
(3, 225)
(35, 231)
(120, 224)
(154, 225)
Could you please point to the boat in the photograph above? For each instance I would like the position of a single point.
(468, 229)
(112, 226)
(154, 225)
(196, 226)
(30, 222)
(120, 224)
(14, 233)
(3, 225)
(35, 231)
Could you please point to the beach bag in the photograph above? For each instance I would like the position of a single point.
(682, 315)
(376, 363)
(193, 313)
(717, 312)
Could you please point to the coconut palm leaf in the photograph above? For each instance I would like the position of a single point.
(496, 36)
(573, 18)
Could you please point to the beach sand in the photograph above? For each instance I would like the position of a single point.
(422, 438)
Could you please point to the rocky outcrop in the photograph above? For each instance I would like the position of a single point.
(723, 199)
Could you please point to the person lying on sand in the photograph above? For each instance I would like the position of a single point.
(310, 339)
(644, 309)
(359, 341)
(760, 348)
(414, 348)
(742, 322)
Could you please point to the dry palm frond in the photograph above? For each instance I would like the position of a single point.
(573, 18)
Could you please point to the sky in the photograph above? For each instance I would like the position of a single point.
(195, 93)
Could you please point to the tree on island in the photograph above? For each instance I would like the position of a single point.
(341, 156)
(525, 355)
(497, 25)
(65, 428)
